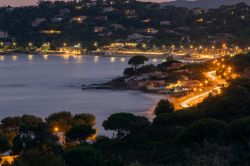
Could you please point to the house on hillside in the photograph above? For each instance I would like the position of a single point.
(64, 12)
(37, 22)
(175, 66)
(3, 35)
(117, 26)
(185, 39)
(78, 19)
(129, 12)
(147, 20)
(107, 9)
(93, 2)
(198, 11)
(151, 31)
(165, 23)
(6, 158)
(56, 19)
(135, 36)
(98, 29)
(101, 18)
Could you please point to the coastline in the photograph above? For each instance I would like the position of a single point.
(181, 58)
(117, 84)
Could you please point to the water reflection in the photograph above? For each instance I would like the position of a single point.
(78, 58)
(1, 58)
(45, 57)
(14, 57)
(65, 57)
(30, 57)
(123, 59)
(112, 59)
(96, 59)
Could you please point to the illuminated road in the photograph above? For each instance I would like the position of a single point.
(187, 102)
(211, 75)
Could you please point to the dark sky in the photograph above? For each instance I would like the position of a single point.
(32, 2)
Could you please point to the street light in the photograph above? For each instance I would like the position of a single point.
(56, 129)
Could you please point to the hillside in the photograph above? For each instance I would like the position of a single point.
(93, 24)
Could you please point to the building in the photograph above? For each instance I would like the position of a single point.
(165, 23)
(56, 19)
(131, 16)
(64, 12)
(198, 11)
(78, 19)
(146, 20)
(93, 2)
(108, 9)
(51, 32)
(38, 21)
(61, 138)
(98, 29)
(3, 35)
(135, 36)
(184, 29)
(185, 39)
(117, 26)
(129, 12)
(101, 18)
(6, 158)
(151, 30)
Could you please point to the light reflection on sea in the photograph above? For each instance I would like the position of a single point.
(40, 85)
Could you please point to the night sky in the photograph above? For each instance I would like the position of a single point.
(32, 2)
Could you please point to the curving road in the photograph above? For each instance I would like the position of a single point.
(212, 74)
(186, 103)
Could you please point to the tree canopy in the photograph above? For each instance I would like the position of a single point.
(164, 106)
(138, 60)
(80, 132)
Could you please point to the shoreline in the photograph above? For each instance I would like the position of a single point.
(90, 54)
(117, 84)
(103, 54)
(113, 86)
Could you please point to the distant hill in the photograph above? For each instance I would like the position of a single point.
(206, 4)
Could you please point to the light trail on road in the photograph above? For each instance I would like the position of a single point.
(210, 74)
(185, 103)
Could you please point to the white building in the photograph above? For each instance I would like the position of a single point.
(57, 19)
(165, 23)
(38, 21)
(150, 30)
(108, 9)
(3, 35)
(135, 36)
(117, 26)
(78, 19)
